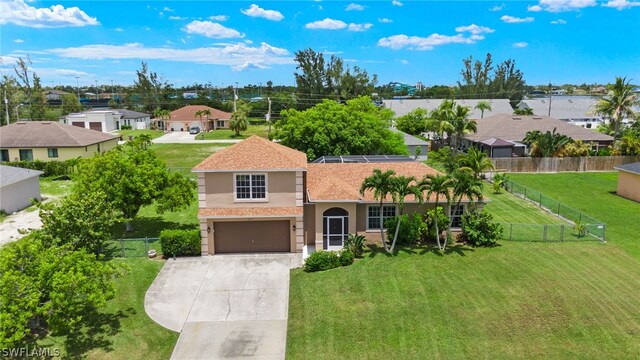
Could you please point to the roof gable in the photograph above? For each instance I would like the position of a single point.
(254, 153)
(49, 134)
(11, 175)
(188, 113)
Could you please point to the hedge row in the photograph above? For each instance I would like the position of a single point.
(180, 242)
(50, 168)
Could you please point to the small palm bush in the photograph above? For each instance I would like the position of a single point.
(355, 244)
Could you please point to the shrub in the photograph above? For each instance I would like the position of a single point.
(125, 127)
(479, 229)
(355, 243)
(322, 260)
(180, 242)
(430, 223)
(49, 168)
(346, 257)
(412, 228)
(499, 181)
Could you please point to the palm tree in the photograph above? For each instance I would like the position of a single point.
(464, 184)
(460, 124)
(476, 160)
(482, 106)
(401, 187)
(381, 185)
(239, 122)
(619, 105)
(548, 144)
(437, 185)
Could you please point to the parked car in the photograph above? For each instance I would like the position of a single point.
(194, 130)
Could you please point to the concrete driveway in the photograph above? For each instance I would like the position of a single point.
(224, 306)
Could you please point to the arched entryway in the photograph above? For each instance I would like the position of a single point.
(335, 228)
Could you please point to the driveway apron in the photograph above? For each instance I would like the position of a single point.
(225, 306)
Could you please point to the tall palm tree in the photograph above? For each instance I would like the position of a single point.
(476, 160)
(482, 106)
(619, 105)
(548, 144)
(381, 185)
(437, 185)
(460, 124)
(464, 184)
(401, 187)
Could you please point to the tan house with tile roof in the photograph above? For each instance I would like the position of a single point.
(259, 196)
(185, 118)
(47, 140)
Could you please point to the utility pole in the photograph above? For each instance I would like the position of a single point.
(78, 87)
(97, 90)
(6, 106)
(235, 98)
(550, 91)
(269, 114)
(112, 95)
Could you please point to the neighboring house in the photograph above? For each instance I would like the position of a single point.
(18, 187)
(185, 118)
(54, 95)
(107, 120)
(412, 143)
(629, 181)
(46, 140)
(260, 196)
(405, 106)
(497, 148)
(514, 128)
(576, 110)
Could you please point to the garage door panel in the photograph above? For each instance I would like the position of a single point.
(95, 126)
(254, 236)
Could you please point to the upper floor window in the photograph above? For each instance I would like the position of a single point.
(53, 152)
(251, 187)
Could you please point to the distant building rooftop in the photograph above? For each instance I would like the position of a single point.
(345, 159)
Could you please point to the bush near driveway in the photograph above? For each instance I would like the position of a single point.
(326, 260)
(180, 242)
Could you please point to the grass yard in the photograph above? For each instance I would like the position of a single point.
(183, 157)
(53, 187)
(153, 133)
(593, 194)
(516, 301)
(123, 331)
(226, 134)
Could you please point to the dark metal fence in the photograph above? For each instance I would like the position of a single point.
(137, 247)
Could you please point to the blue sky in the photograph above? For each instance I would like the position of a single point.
(223, 42)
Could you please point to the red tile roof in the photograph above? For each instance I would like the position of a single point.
(250, 212)
(254, 153)
(188, 113)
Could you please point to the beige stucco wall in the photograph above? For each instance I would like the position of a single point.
(282, 191)
(320, 208)
(629, 185)
(17, 196)
(309, 224)
(64, 153)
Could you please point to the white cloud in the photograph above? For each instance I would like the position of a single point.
(211, 30)
(521, 44)
(168, 9)
(354, 7)
(219, 18)
(559, 22)
(430, 42)
(19, 13)
(60, 72)
(621, 4)
(498, 7)
(396, 3)
(404, 62)
(385, 20)
(18, 41)
(238, 56)
(561, 5)
(118, 29)
(256, 11)
(326, 24)
(359, 27)
(177, 18)
(514, 20)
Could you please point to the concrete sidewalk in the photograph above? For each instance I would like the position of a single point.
(225, 306)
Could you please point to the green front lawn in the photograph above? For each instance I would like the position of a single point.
(516, 301)
(153, 133)
(123, 330)
(226, 134)
(183, 157)
(593, 194)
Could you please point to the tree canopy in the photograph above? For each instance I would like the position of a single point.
(478, 81)
(356, 127)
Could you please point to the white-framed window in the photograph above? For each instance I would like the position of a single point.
(456, 213)
(373, 215)
(249, 187)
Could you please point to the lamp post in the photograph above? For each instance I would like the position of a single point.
(78, 87)
(18, 112)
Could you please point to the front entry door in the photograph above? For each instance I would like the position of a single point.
(335, 232)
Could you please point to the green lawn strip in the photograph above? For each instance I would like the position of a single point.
(520, 300)
(183, 157)
(126, 330)
(226, 134)
(126, 133)
(593, 194)
(53, 187)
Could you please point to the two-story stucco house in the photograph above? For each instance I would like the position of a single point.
(260, 196)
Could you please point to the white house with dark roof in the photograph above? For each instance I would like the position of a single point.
(107, 120)
(18, 187)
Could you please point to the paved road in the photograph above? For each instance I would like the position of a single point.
(183, 137)
(225, 306)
